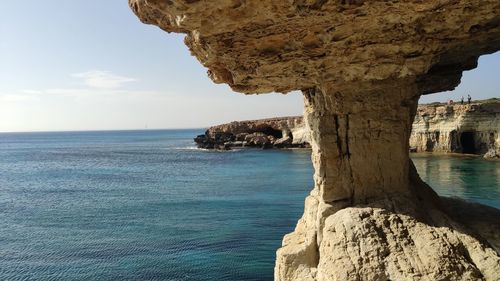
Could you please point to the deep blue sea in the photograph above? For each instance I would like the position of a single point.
(147, 205)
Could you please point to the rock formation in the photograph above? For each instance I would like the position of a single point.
(362, 66)
(473, 128)
(280, 132)
(460, 128)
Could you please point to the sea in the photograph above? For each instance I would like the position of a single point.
(149, 205)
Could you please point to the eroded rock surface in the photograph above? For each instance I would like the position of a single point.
(264, 46)
(473, 128)
(372, 242)
(279, 132)
(460, 128)
(362, 66)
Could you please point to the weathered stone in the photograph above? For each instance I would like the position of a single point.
(371, 243)
(238, 144)
(283, 142)
(461, 128)
(239, 137)
(362, 66)
(261, 133)
(492, 153)
(473, 128)
(264, 46)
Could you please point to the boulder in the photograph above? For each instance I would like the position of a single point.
(283, 142)
(491, 154)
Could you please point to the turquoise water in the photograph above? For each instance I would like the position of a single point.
(146, 205)
(469, 177)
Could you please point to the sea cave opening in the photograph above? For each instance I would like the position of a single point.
(270, 131)
(467, 142)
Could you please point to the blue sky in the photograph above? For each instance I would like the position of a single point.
(91, 65)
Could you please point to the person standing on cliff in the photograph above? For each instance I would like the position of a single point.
(469, 98)
(462, 100)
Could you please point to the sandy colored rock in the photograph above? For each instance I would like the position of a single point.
(437, 128)
(264, 46)
(377, 244)
(362, 65)
(473, 128)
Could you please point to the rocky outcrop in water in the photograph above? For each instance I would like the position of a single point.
(473, 128)
(281, 132)
(361, 66)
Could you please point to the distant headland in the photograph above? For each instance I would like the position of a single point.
(438, 127)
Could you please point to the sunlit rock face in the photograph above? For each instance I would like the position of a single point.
(362, 66)
(459, 128)
(279, 132)
(264, 46)
(462, 128)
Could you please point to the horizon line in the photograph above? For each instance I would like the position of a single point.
(100, 130)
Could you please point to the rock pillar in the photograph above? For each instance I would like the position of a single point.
(360, 140)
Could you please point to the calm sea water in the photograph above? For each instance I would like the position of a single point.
(146, 205)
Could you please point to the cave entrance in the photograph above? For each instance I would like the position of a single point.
(467, 142)
(270, 131)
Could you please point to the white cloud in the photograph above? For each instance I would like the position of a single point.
(103, 79)
(93, 93)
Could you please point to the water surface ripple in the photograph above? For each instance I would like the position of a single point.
(145, 205)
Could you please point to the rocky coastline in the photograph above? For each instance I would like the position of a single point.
(280, 132)
(459, 128)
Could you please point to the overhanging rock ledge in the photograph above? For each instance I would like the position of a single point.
(362, 65)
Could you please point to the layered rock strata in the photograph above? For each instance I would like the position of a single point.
(473, 128)
(362, 66)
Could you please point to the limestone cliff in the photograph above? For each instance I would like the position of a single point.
(473, 128)
(361, 66)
